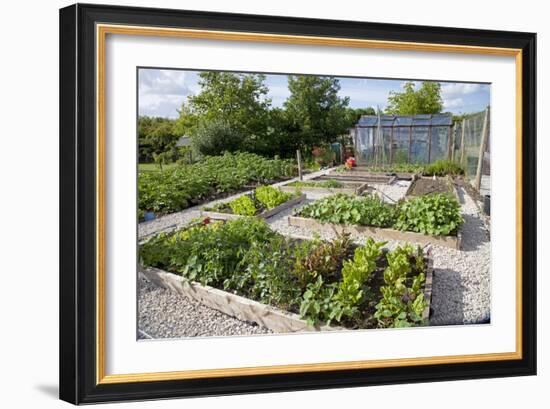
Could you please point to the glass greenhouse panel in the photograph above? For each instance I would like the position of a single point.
(419, 146)
(440, 137)
(400, 148)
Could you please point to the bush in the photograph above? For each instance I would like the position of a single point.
(443, 168)
(214, 137)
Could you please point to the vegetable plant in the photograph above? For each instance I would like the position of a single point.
(243, 206)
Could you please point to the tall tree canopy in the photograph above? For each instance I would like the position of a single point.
(238, 99)
(426, 100)
(157, 136)
(315, 110)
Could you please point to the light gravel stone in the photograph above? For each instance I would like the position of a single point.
(165, 314)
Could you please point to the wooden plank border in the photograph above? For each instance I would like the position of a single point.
(242, 308)
(452, 242)
(325, 190)
(269, 213)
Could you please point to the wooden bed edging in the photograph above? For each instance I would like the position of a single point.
(378, 232)
(244, 309)
(229, 216)
(428, 287)
(326, 190)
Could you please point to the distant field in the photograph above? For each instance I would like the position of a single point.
(153, 167)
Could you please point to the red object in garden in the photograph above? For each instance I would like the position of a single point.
(206, 220)
(351, 163)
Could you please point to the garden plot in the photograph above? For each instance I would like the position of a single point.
(263, 202)
(323, 186)
(246, 270)
(433, 219)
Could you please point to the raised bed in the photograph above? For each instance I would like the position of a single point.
(351, 188)
(242, 308)
(376, 232)
(264, 215)
(427, 185)
(374, 177)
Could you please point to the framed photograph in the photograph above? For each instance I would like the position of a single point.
(257, 203)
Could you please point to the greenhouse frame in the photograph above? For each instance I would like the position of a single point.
(387, 139)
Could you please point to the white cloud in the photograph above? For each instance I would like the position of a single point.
(454, 90)
(161, 92)
(453, 103)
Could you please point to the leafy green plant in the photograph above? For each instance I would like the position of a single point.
(270, 196)
(443, 168)
(436, 214)
(243, 206)
(184, 185)
(401, 306)
(346, 209)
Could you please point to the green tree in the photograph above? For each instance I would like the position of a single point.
(216, 136)
(239, 100)
(426, 100)
(315, 110)
(157, 139)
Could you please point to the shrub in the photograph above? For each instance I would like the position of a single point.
(436, 214)
(214, 137)
(443, 168)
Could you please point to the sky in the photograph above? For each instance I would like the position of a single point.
(161, 92)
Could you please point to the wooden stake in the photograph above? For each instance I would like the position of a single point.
(299, 159)
(462, 141)
(482, 147)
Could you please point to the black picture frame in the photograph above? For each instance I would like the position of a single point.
(78, 359)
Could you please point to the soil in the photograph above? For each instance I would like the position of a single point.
(423, 186)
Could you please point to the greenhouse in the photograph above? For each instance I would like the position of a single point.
(386, 139)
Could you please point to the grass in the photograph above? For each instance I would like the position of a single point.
(153, 167)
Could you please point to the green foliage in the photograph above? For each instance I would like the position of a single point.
(443, 168)
(314, 111)
(346, 209)
(393, 168)
(209, 254)
(239, 100)
(216, 136)
(401, 305)
(157, 140)
(319, 258)
(327, 184)
(436, 214)
(179, 188)
(325, 282)
(426, 100)
(271, 197)
(243, 206)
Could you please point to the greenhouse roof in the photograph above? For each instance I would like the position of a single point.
(406, 120)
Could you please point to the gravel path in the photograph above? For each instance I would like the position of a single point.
(462, 279)
(461, 285)
(165, 314)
